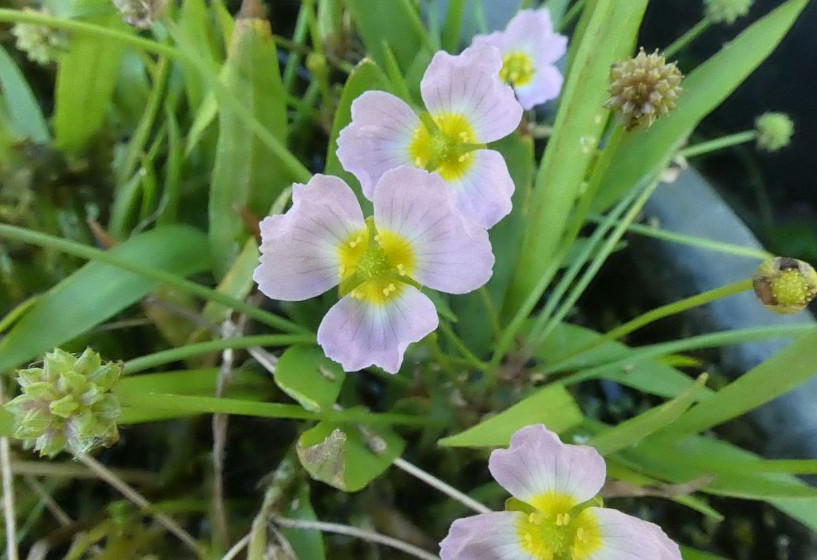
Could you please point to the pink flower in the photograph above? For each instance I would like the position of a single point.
(529, 50)
(467, 107)
(554, 514)
(416, 237)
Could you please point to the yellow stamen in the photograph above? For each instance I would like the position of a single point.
(517, 69)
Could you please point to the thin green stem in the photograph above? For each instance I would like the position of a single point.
(294, 59)
(643, 353)
(692, 241)
(183, 352)
(90, 253)
(215, 405)
(719, 143)
(687, 37)
(666, 311)
(571, 14)
(461, 347)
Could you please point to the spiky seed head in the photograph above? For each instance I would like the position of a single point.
(774, 131)
(67, 403)
(643, 89)
(785, 285)
(40, 43)
(726, 11)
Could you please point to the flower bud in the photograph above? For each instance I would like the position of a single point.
(774, 131)
(726, 11)
(67, 403)
(785, 285)
(40, 43)
(643, 89)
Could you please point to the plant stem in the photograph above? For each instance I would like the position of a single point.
(666, 311)
(571, 14)
(461, 347)
(90, 253)
(719, 143)
(349, 531)
(168, 523)
(491, 310)
(183, 352)
(8, 492)
(687, 37)
(443, 487)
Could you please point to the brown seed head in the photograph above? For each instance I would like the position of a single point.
(643, 89)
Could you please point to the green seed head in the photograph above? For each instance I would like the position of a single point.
(643, 89)
(67, 404)
(785, 285)
(774, 131)
(40, 43)
(726, 11)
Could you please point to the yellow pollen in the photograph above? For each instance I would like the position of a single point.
(558, 529)
(448, 149)
(517, 69)
(375, 265)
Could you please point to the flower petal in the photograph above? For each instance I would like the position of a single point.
(484, 192)
(378, 137)
(624, 537)
(469, 84)
(532, 31)
(356, 333)
(452, 253)
(538, 463)
(488, 536)
(545, 85)
(299, 257)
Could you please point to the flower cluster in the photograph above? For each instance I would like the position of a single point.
(67, 403)
(435, 186)
(555, 513)
(40, 43)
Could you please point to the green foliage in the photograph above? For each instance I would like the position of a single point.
(309, 377)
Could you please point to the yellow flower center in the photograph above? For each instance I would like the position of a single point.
(375, 265)
(443, 145)
(557, 530)
(517, 69)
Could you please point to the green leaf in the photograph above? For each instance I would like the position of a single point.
(86, 78)
(246, 173)
(785, 370)
(692, 554)
(552, 406)
(364, 77)
(305, 544)
(650, 376)
(612, 27)
(98, 291)
(308, 376)
(395, 23)
(646, 153)
(632, 431)
(347, 457)
(24, 111)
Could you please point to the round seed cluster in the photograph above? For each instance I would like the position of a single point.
(643, 89)
(785, 285)
(40, 43)
(774, 131)
(726, 11)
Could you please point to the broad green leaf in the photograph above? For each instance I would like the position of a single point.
(308, 376)
(86, 78)
(506, 240)
(552, 406)
(305, 544)
(98, 291)
(347, 457)
(364, 77)
(782, 372)
(646, 153)
(632, 431)
(612, 27)
(650, 376)
(24, 112)
(395, 23)
(246, 173)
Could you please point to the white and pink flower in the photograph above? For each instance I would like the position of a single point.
(555, 513)
(415, 238)
(467, 107)
(530, 49)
